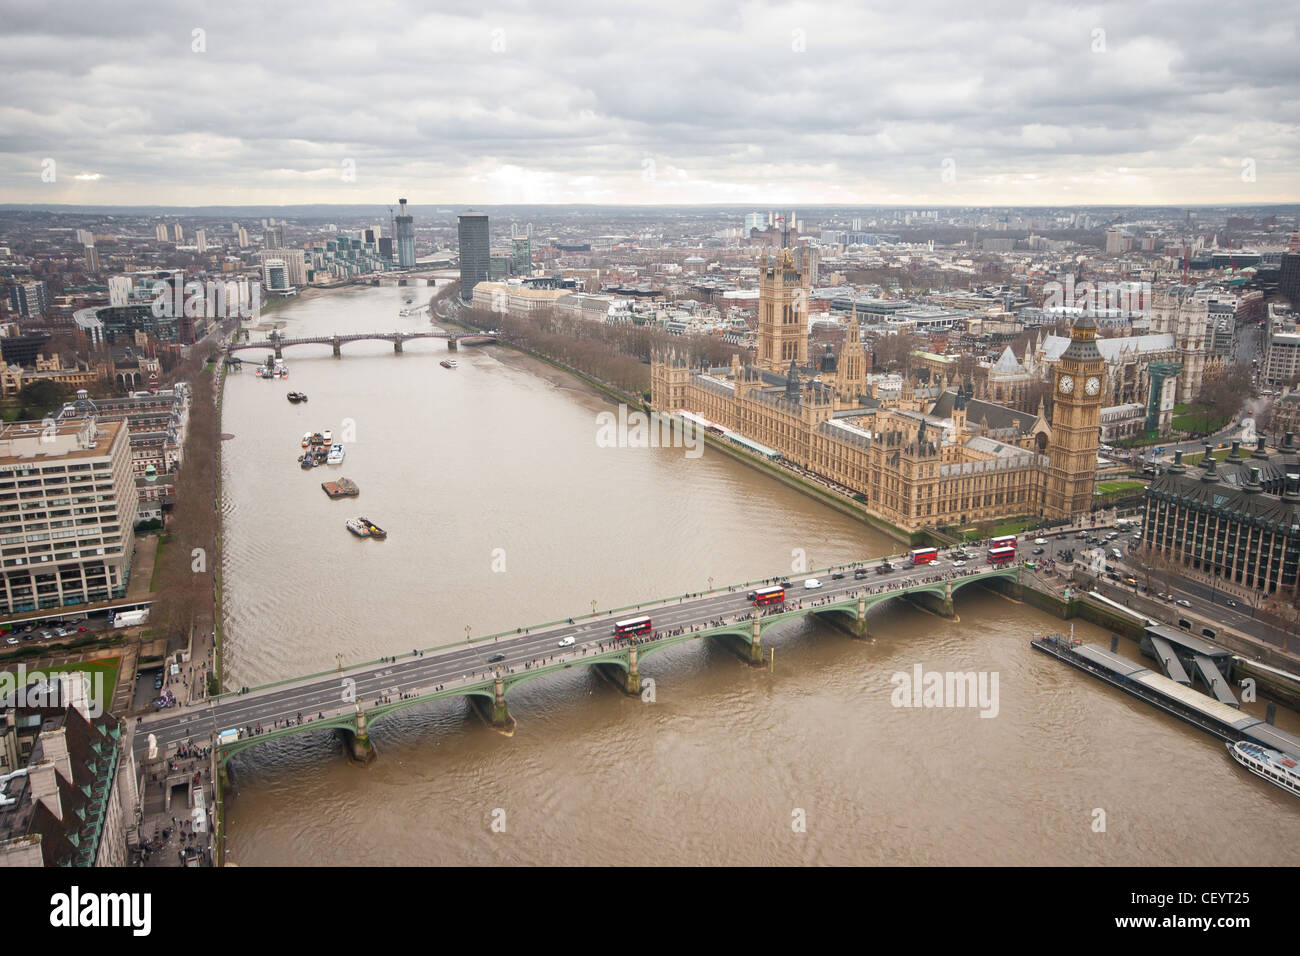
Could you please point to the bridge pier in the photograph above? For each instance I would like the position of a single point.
(756, 646)
(842, 620)
(279, 353)
(337, 346)
(629, 680)
(397, 345)
(357, 742)
(500, 714)
(927, 600)
(451, 344)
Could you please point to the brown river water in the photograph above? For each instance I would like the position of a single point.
(502, 510)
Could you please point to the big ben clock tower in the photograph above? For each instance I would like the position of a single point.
(1076, 424)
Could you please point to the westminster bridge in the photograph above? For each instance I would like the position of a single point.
(485, 669)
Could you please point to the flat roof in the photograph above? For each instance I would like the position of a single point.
(1190, 642)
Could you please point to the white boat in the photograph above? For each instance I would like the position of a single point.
(1281, 770)
(358, 527)
(328, 436)
(335, 457)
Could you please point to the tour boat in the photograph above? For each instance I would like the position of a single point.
(307, 462)
(358, 527)
(306, 439)
(335, 456)
(448, 363)
(1277, 768)
(297, 397)
(373, 529)
(327, 437)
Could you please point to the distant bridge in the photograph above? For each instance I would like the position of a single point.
(277, 343)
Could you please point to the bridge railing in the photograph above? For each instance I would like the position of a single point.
(643, 605)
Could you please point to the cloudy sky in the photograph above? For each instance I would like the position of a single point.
(701, 102)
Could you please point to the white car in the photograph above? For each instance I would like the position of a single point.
(567, 641)
(812, 583)
(1040, 541)
(959, 564)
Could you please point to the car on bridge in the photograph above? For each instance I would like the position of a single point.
(838, 575)
(959, 564)
(812, 584)
(496, 658)
(567, 641)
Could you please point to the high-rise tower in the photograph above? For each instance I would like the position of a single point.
(1076, 423)
(475, 251)
(782, 314)
(405, 237)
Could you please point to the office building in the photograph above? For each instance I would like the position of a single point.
(475, 251)
(67, 514)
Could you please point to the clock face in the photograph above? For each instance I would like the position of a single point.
(1093, 385)
(1066, 384)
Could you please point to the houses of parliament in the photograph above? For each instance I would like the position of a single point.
(925, 459)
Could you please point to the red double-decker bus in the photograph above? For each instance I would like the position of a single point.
(773, 595)
(1001, 555)
(924, 555)
(1005, 541)
(633, 625)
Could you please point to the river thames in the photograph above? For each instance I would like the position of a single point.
(503, 510)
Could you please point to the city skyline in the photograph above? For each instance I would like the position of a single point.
(933, 105)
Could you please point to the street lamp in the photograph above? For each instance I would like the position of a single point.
(466, 633)
(593, 607)
(710, 582)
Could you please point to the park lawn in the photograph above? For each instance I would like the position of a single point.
(157, 562)
(1197, 458)
(108, 666)
(1193, 418)
(1118, 487)
(1014, 526)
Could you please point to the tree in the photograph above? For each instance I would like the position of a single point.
(40, 397)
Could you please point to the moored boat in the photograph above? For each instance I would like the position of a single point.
(358, 527)
(343, 488)
(306, 439)
(448, 363)
(327, 437)
(373, 529)
(1281, 770)
(335, 456)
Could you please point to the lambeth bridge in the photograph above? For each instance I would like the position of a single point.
(485, 669)
(277, 343)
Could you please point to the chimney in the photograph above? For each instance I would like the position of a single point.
(1288, 443)
(1260, 451)
(1253, 486)
(1235, 456)
(1178, 467)
(1292, 492)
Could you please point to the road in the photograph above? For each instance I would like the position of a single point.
(420, 673)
